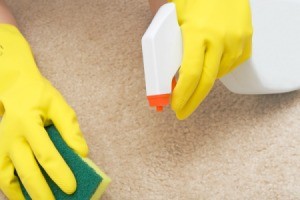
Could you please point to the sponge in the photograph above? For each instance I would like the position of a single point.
(91, 181)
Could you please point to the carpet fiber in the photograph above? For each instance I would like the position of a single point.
(233, 147)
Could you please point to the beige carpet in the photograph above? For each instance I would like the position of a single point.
(233, 147)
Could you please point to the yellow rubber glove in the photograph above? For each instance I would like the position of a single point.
(28, 102)
(217, 37)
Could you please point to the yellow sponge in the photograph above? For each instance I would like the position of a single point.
(91, 181)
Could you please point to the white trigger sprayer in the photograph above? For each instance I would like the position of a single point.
(162, 54)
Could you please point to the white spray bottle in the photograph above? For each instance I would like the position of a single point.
(273, 68)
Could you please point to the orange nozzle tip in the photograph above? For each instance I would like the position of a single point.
(159, 101)
(159, 108)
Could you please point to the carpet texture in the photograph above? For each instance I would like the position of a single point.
(233, 147)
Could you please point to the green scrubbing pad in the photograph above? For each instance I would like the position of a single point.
(91, 182)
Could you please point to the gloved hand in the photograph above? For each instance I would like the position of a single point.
(217, 37)
(28, 102)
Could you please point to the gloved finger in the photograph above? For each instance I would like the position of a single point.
(189, 73)
(238, 53)
(227, 62)
(65, 120)
(9, 182)
(209, 74)
(29, 172)
(50, 159)
(247, 52)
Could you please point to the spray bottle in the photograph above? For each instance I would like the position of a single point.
(273, 68)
